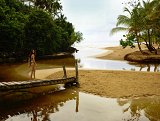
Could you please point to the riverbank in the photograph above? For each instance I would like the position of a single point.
(117, 53)
(115, 84)
(107, 83)
(130, 54)
(112, 83)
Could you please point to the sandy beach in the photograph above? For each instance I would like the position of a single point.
(111, 83)
(117, 84)
(117, 53)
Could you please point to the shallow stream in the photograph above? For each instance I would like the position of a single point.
(72, 105)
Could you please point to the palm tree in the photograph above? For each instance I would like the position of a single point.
(155, 17)
(148, 25)
(141, 22)
(131, 23)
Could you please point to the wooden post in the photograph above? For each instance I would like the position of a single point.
(76, 69)
(64, 70)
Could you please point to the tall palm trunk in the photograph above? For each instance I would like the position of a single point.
(149, 38)
(150, 47)
(139, 46)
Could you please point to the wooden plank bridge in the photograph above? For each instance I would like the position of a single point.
(6, 86)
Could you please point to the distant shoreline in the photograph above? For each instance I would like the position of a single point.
(130, 54)
(116, 53)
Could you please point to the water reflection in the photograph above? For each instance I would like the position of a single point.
(93, 63)
(38, 108)
(19, 71)
(149, 107)
(72, 105)
(86, 56)
(148, 67)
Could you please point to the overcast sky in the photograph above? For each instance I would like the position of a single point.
(94, 18)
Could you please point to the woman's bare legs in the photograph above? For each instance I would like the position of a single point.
(33, 71)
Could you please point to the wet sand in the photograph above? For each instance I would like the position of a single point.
(117, 84)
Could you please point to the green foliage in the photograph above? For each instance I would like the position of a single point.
(142, 21)
(11, 26)
(38, 31)
(54, 7)
(68, 34)
(24, 27)
(129, 41)
(76, 37)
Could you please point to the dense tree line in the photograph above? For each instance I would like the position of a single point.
(38, 24)
(142, 23)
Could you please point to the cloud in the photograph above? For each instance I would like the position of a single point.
(93, 17)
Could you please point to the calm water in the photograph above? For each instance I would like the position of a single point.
(19, 71)
(71, 105)
(86, 59)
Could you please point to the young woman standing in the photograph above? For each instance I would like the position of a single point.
(32, 63)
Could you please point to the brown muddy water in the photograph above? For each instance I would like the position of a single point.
(72, 105)
(19, 71)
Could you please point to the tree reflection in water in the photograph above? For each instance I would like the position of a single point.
(147, 67)
(42, 107)
(150, 106)
(38, 108)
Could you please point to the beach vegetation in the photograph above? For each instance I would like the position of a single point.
(141, 21)
(38, 24)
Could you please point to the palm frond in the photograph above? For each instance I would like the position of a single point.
(123, 20)
(117, 29)
(127, 10)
